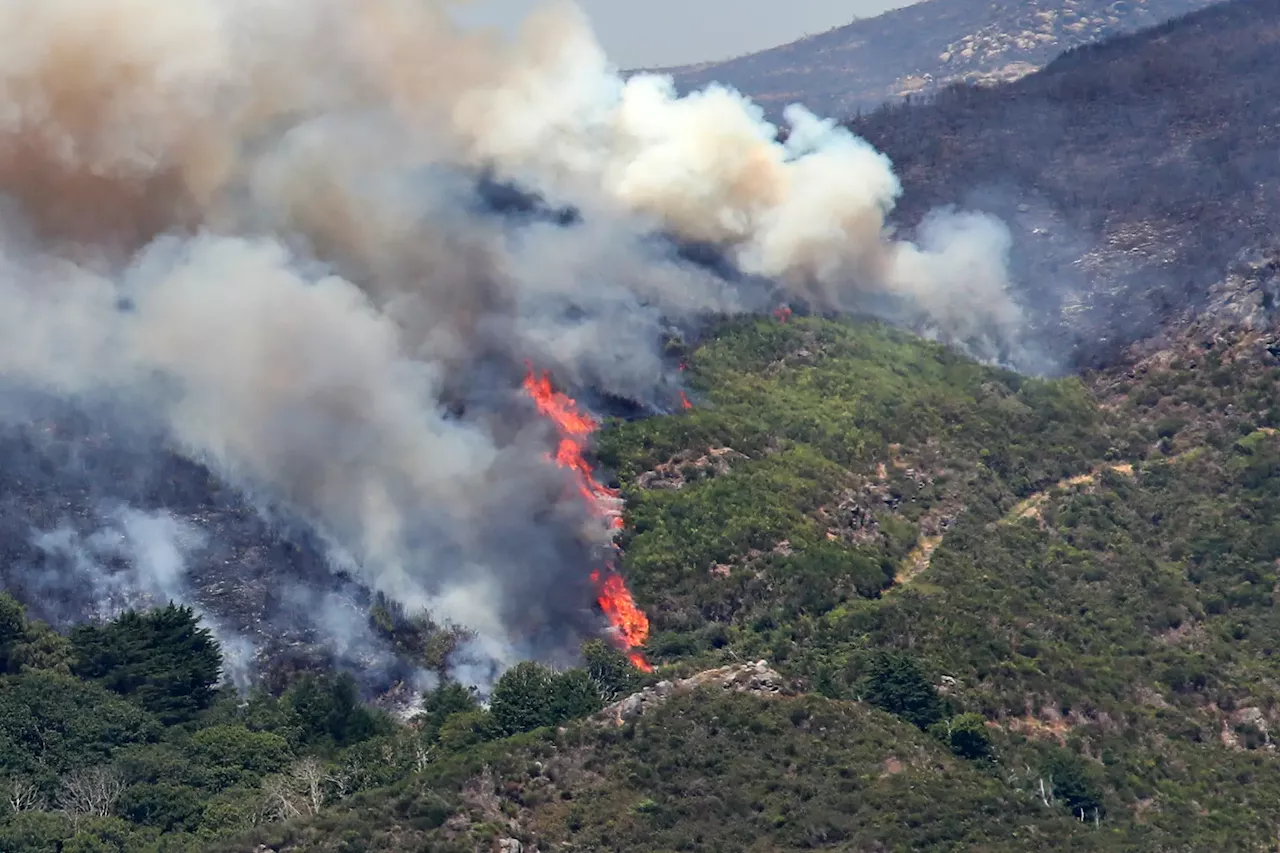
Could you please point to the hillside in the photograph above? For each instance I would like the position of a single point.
(896, 599)
(1088, 569)
(921, 48)
(1133, 173)
(971, 585)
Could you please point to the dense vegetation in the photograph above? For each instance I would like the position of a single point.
(1013, 613)
(118, 737)
(1016, 612)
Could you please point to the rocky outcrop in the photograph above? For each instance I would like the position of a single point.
(756, 677)
(689, 466)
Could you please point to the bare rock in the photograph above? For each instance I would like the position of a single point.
(756, 677)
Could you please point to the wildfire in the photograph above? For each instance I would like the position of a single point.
(782, 313)
(623, 614)
(630, 625)
(684, 402)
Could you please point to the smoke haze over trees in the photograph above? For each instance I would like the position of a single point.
(250, 236)
(272, 282)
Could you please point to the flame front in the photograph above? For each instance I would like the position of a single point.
(631, 626)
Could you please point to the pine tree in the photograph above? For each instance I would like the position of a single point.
(162, 660)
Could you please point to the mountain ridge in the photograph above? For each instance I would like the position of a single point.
(922, 48)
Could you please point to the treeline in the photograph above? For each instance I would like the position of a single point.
(120, 736)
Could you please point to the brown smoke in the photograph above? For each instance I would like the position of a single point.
(250, 220)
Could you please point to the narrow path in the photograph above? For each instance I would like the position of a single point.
(917, 561)
(1030, 507)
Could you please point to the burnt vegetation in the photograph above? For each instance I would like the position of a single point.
(1133, 171)
(1012, 613)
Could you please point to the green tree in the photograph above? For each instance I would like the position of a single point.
(169, 808)
(29, 644)
(51, 723)
(1074, 784)
(573, 695)
(523, 698)
(895, 683)
(13, 629)
(234, 754)
(328, 708)
(615, 677)
(102, 835)
(34, 832)
(443, 702)
(465, 730)
(966, 735)
(163, 660)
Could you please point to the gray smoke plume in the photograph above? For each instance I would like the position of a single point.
(137, 560)
(253, 228)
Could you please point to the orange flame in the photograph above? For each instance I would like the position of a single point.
(783, 313)
(631, 626)
(684, 402)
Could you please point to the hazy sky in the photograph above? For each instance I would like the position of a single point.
(675, 32)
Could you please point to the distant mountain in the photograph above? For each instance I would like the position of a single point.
(924, 47)
(1134, 173)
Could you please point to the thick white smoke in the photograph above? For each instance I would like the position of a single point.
(253, 223)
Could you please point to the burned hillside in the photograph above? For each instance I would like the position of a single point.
(377, 307)
(1134, 172)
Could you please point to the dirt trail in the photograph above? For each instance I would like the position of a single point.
(917, 561)
(1030, 507)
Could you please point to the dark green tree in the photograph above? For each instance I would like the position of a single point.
(613, 674)
(170, 808)
(573, 695)
(1075, 784)
(523, 698)
(966, 735)
(163, 660)
(328, 707)
(895, 683)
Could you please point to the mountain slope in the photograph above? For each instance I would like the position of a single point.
(709, 771)
(1010, 613)
(923, 47)
(1096, 590)
(1132, 172)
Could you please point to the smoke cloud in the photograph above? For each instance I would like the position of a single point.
(138, 559)
(254, 228)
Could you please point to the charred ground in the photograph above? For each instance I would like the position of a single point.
(1134, 171)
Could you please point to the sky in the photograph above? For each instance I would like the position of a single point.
(649, 33)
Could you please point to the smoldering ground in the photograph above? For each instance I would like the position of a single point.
(251, 232)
